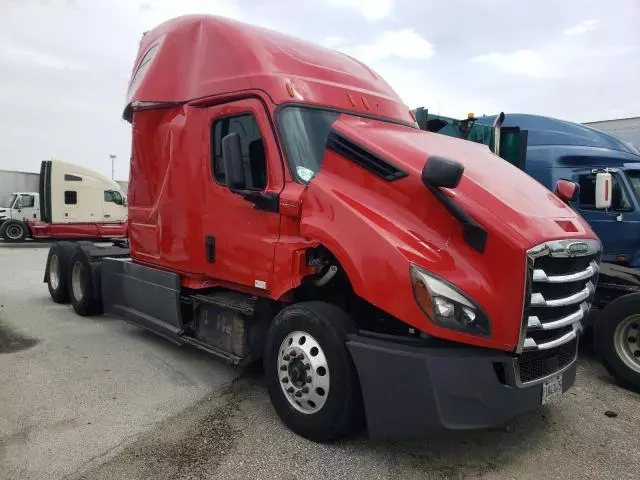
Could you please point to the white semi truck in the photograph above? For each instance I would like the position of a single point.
(73, 202)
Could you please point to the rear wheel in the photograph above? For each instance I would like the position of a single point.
(81, 290)
(14, 231)
(617, 339)
(57, 273)
(311, 378)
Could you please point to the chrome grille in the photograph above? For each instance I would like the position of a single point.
(561, 279)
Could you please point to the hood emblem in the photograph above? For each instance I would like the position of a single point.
(577, 248)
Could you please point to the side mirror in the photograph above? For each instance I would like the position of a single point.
(567, 191)
(232, 159)
(604, 187)
(442, 172)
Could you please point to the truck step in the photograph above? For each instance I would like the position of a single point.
(235, 301)
(218, 352)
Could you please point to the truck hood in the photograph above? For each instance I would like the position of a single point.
(376, 226)
(495, 193)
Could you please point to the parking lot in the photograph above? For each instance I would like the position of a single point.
(96, 398)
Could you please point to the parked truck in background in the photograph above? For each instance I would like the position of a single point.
(73, 202)
(550, 150)
(20, 206)
(285, 207)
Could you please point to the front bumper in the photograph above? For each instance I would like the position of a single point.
(411, 390)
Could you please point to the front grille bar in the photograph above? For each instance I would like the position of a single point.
(534, 322)
(540, 275)
(538, 300)
(531, 344)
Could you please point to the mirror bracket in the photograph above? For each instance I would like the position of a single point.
(265, 201)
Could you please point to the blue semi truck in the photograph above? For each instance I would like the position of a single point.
(550, 150)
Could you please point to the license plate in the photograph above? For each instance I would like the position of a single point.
(552, 389)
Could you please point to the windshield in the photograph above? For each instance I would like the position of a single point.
(304, 134)
(7, 200)
(634, 180)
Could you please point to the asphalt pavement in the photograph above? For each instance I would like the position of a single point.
(95, 398)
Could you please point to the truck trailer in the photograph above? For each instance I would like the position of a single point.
(73, 202)
(284, 207)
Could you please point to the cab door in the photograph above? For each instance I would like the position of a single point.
(26, 208)
(238, 236)
(112, 207)
(617, 226)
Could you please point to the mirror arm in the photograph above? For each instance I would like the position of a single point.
(472, 231)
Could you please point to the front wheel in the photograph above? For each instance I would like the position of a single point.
(310, 376)
(617, 339)
(14, 231)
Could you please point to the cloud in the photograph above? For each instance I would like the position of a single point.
(372, 10)
(581, 27)
(25, 55)
(402, 44)
(521, 62)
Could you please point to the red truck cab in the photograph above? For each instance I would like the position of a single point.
(284, 205)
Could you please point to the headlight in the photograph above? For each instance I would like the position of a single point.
(446, 306)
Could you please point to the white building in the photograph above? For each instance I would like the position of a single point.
(627, 129)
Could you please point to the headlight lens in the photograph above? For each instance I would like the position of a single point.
(446, 306)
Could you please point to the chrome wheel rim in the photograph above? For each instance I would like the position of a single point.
(303, 372)
(627, 342)
(54, 271)
(76, 281)
(14, 232)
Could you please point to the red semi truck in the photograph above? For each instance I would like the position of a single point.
(285, 206)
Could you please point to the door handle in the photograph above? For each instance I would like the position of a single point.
(619, 218)
(107, 216)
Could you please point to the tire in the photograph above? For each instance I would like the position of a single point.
(57, 271)
(81, 290)
(617, 339)
(332, 406)
(14, 231)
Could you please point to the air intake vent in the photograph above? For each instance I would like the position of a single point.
(363, 157)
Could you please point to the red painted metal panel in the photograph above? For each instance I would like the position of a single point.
(217, 55)
(78, 230)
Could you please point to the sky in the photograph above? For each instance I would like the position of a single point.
(65, 64)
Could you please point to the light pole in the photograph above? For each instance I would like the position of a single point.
(113, 166)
